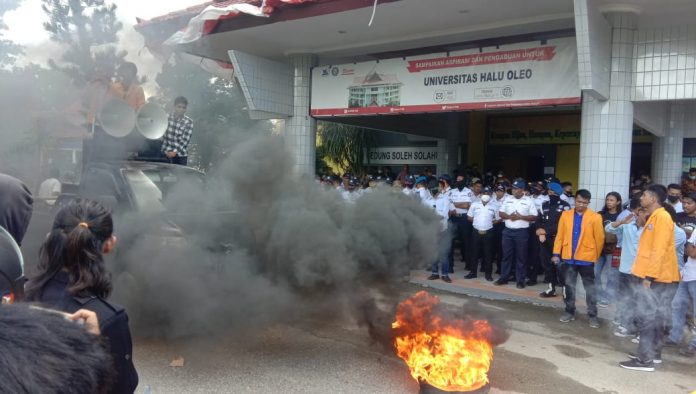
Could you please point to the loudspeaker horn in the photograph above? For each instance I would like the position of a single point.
(152, 121)
(117, 118)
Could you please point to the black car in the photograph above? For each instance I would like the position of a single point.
(168, 204)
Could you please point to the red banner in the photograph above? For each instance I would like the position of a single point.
(428, 108)
(515, 55)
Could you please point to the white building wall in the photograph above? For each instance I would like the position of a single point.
(300, 129)
(667, 150)
(607, 126)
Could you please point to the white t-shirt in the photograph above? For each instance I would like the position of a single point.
(443, 204)
(524, 206)
(483, 215)
(459, 196)
(689, 270)
(498, 203)
(540, 200)
(678, 207)
(424, 196)
(569, 200)
(49, 189)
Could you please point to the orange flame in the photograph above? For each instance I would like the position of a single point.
(449, 354)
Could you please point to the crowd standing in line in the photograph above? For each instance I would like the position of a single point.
(638, 254)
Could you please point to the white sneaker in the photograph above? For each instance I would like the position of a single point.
(636, 339)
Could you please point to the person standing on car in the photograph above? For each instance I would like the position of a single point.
(178, 135)
(71, 276)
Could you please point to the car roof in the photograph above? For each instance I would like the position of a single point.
(145, 165)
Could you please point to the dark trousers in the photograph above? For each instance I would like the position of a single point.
(626, 301)
(444, 248)
(570, 272)
(180, 160)
(461, 232)
(653, 316)
(533, 267)
(545, 254)
(498, 244)
(515, 242)
(482, 244)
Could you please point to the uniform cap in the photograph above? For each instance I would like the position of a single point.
(556, 188)
(422, 179)
(500, 187)
(446, 178)
(519, 184)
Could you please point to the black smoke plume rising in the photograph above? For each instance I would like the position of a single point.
(264, 247)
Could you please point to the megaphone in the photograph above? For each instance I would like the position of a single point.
(152, 121)
(117, 118)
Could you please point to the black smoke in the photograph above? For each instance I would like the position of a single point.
(264, 246)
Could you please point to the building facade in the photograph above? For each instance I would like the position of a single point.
(593, 91)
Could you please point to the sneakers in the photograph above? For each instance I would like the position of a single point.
(636, 339)
(446, 279)
(688, 351)
(622, 332)
(489, 278)
(634, 356)
(500, 282)
(470, 275)
(594, 322)
(602, 304)
(637, 365)
(434, 277)
(547, 293)
(567, 317)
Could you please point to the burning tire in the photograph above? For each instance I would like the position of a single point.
(445, 353)
(425, 388)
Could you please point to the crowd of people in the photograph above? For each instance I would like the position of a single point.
(638, 254)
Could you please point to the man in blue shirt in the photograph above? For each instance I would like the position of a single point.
(628, 230)
(578, 244)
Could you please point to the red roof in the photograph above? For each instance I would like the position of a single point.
(192, 11)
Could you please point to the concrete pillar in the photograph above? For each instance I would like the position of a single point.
(607, 126)
(667, 150)
(300, 129)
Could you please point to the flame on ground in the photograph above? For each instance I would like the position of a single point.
(449, 354)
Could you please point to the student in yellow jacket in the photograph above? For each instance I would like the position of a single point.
(578, 244)
(658, 272)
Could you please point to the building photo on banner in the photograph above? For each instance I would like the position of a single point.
(517, 75)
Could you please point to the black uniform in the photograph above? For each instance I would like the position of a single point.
(548, 219)
(113, 322)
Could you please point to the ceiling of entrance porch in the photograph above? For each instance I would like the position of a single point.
(653, 13)
(397, 26)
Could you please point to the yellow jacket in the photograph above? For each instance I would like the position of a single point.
(656, 257)
(590, 243)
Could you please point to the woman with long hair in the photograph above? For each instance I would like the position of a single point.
(71, 275)
(606, 291)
